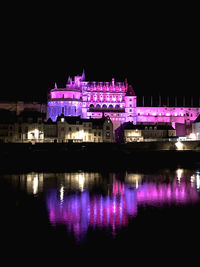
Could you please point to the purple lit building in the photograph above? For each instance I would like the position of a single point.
(116, 100)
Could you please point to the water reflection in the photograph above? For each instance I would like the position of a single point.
(82, 200)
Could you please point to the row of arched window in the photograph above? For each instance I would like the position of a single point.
(104, 106)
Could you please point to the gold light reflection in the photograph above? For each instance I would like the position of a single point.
(133, 178)
(61, 193)
(192, 180)
(34, 183)
(198, 180)
(80, 180)
(179, 173)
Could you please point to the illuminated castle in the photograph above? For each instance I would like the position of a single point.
(116, 100)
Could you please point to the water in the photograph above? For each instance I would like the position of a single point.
(103, 213)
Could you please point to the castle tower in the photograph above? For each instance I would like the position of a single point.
(130, 105)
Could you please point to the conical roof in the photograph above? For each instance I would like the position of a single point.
(130, 91)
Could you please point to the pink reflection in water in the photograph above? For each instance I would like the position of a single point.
(80, 211)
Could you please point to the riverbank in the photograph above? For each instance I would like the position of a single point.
(97, 156)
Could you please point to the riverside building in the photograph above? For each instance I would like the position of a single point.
(31, 126)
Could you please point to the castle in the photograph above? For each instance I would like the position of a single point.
(116, 100)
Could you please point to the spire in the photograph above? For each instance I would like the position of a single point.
(55, 87)
(130, 91)
(69, 81)
(83, 75)
(126, 83)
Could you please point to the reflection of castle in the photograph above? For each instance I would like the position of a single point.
(80, 211)
(81, 200)
(118, 101)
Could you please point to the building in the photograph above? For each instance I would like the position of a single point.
(196, 128)
(31, 126)
(91, 99)
(116, 100)
(76, 129)
(128, 132)
(7, 120)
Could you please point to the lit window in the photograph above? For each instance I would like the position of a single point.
(62, 119)
(107, 135)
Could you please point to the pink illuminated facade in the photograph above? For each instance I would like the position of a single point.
(116, 100)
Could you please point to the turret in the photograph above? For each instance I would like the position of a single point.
(130, 104)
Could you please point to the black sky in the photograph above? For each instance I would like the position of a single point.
(154, 46)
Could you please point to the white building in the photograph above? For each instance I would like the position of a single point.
(196, 128)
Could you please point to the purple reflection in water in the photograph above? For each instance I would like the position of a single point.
(79, 211)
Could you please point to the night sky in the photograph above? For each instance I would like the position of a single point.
(156, 47)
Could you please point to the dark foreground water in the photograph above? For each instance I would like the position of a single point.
(127, 216)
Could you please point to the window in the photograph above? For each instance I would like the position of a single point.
(130, 110)
(95, 134)
(107, 135)
(99, 134)
(107, 127)
(77, 128)
(70, 128)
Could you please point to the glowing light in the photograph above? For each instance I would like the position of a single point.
(192, 179)
(35, 185)
(192, 136)
(198, 180)
(179, 145)
(61, 193)
(179, 174)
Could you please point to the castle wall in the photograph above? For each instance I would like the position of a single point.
(19, 106)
